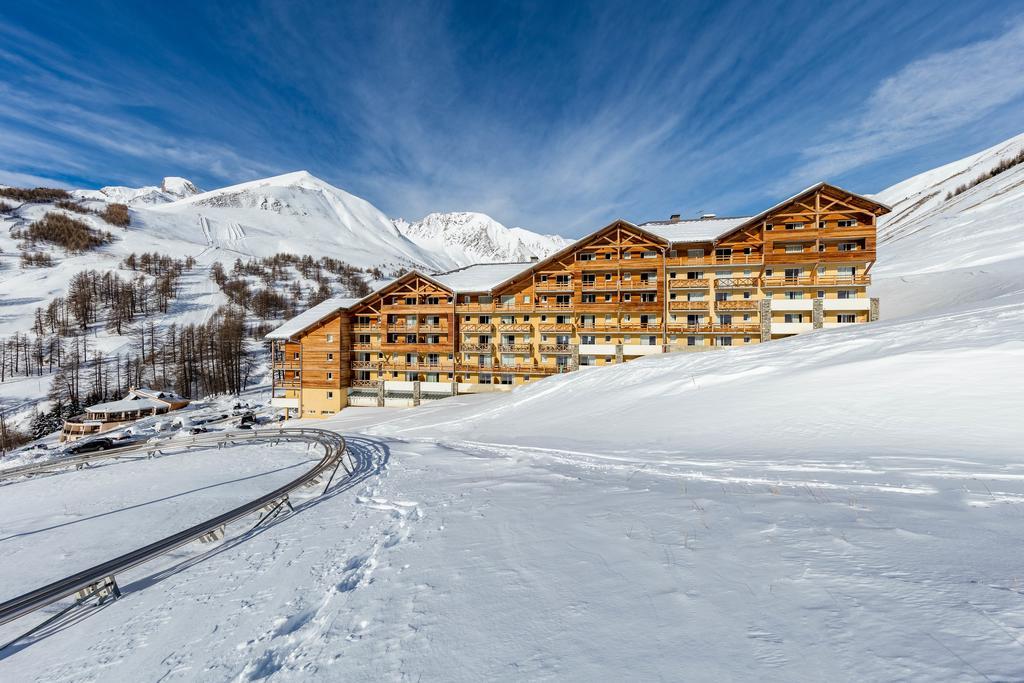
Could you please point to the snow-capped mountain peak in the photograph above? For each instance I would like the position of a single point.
(171, 189)
(470, 237)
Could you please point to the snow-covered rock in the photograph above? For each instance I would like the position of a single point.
(470, 237)
(171, 189)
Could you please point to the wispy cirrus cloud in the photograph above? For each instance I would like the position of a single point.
(924, 101)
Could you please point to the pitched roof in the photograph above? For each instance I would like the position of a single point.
(310, 317)
(698, 230)
(481, 277)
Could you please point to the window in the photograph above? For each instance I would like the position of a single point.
(295, 356)
(485, 379)
(821, 294)
(330, 394)
(847, 223)
(627, 297)
(330, 375)
(607, 338)
(822, 225)
(746, 340)
(794, 248)
(650, 254)
(794, 295)
(725, 320)
(330, 338)
(846, 318)
(588, 339)
(691, 341)
(627, 255)
(649, 297)
(794, 317)
(723, 254)
(746, 295)
(845, 294)
(330, 356)
(586, 256)
(721, 296)
(792, 273)
(410, 301)
(694, 253)
(725, 341)
(847, 246)
(589, 298)
(794, 226)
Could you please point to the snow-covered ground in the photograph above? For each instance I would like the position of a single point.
(846, 505)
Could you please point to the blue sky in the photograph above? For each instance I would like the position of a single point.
(555, 116)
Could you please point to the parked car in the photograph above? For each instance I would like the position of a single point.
(198, 430)
(91, 446)
(248, 419)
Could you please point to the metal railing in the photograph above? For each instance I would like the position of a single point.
(99, 581)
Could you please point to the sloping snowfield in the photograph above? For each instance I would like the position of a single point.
(845, 506)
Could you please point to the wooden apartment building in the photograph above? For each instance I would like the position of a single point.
(622, 292)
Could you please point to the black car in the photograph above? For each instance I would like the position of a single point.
(91, 446)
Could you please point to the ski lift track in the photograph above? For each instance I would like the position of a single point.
(99, 581)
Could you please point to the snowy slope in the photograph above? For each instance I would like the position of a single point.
(843, 506)
(471, 237)
(935, 253)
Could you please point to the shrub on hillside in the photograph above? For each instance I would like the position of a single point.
(116, 214)
(64, 231)
(5, 207)
(38, 259)
(72, 205)
(38, 194)
(1004, 165)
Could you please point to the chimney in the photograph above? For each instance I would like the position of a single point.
(674, 218)
(708, 216)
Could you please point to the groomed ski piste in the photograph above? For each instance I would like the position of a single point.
(846, 505)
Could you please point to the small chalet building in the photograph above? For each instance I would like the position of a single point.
(625, 291)
(104, 417)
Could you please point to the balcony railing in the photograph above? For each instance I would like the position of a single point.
(715, 259)
(371, 327)
(552, 286)
(372, 346)
(515, 348)
(556, 327)
(600, 285)
(715, 328)
(694, 283)
(639, 284)
(477, 327)
(799, 281)
(737, 305)
(822, 280)
(365, 364)
(365, 383)
(735, 282)
(515, 327)
(557, 348)
(476, 348)
(688, 305)
(554, 305)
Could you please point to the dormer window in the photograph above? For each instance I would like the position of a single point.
(794, 226)
(586, 256)
(847, 223)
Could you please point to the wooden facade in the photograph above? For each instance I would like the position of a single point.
(622, 292)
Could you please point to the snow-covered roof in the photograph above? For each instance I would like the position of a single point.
(310, 317)
(164, 394)
(126, 404)
(480, 277)
(699, 230)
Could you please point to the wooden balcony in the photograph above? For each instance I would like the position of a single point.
(515, 327)
(365, 364)
(737, 305)
(556, 327)
(417, 308)
(735, 259)
(515, 348)
(715, 328)
(632, 326)
(372, 327)
(643, 285)
(557, 348)
(476, 348)
(365, 383)
(782, 281)
(419, 367)
(552, 286)
(552, 306)
(476, 328)
(372, 346)
(404, 347)
(841, 280)
(600, 286)
(688, 305)
(736, 283)
(695, 283)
